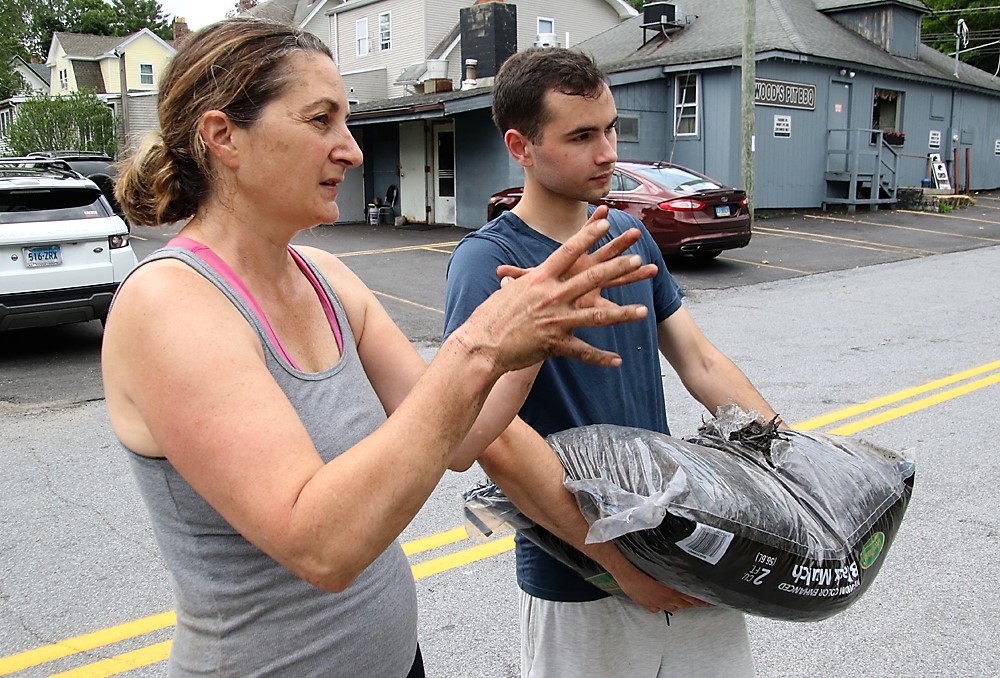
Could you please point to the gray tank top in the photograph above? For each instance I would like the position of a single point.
(240, 613)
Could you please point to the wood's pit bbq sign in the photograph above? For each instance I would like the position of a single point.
(785, 94)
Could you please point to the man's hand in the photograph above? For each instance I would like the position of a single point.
(651, 594)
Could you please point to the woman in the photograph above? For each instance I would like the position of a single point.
(251, 381)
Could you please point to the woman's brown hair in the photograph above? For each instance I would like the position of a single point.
(236, 66)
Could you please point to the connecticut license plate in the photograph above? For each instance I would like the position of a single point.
(42, 256)
(722, 211)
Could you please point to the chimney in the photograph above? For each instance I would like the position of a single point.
(489, 35)
(470, 74)
(181, 30)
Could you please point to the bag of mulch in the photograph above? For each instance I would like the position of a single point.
(777, 523)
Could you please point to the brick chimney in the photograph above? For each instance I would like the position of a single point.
(489, 35)
(181, 31)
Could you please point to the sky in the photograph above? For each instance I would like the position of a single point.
(198, 13)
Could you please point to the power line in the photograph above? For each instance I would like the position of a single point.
(962, 11)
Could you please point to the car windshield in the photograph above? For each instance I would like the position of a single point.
(19, 206)
(675, 178)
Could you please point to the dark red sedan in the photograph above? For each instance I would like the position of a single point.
(685, 211)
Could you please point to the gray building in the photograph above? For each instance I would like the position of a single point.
(849, 105)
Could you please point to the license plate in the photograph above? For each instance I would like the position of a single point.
(723, 211)
(42, 256)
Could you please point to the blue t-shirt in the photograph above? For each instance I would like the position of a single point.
(568, 393)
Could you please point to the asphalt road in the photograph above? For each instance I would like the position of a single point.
(892, 314)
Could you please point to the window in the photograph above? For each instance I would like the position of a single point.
(887, 110)
(546, 25)
(145, 74)
(63, 79)
(6, 117)
(628, 128)
(686, 105)
(384, 31)
(361, 36)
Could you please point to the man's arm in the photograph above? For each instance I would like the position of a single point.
(708, 375)
(523, 465)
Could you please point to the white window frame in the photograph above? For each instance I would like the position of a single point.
(146, 78)
(63, 78)
(684, 109)
(385, 31)
(6, 119)
(538, 25)
(361, 41)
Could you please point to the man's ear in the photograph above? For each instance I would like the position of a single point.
(216, 131)
(520, 147)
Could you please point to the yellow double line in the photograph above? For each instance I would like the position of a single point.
(851, 420)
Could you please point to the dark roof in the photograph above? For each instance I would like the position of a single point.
(88, 75)
(276, 10)
(291, 12)
(422, 105)
(833, 5)
(88, 46)
(793, 27)
(41, 70)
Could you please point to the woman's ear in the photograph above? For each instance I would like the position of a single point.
(216, 131)
(519, 146)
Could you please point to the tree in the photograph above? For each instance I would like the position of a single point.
(11, 34)
(637, 4)
(78, 121)
(134, 15)
(939, 29)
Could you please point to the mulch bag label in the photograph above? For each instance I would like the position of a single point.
(782, 524)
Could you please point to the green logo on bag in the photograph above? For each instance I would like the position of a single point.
(872, 549)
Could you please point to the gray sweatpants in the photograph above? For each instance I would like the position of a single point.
(613, 637)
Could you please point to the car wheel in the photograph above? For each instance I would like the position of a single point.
(705, 255)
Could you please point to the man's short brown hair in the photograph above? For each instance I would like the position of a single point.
(520, 86)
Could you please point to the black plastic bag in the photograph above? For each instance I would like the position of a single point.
(791, 526)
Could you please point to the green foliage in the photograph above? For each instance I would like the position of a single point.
(637, 4)
(11, 33)
(79, 122)
(938, 30)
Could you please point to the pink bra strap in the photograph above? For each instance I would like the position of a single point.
(216, 262)
(324, 300)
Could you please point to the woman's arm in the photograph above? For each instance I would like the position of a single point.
(186, 379)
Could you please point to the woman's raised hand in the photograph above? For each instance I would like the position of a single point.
(533, 315)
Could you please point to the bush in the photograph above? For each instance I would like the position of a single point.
(79, 122)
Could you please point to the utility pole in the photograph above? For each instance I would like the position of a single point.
(747, 100)
(123, 80)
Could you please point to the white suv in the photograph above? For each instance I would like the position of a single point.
(63, 251)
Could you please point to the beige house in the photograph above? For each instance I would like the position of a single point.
(78, 61)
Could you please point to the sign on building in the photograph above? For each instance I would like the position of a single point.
(784, 94)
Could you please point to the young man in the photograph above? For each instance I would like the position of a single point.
(558, 117)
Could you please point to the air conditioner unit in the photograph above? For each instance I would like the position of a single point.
(547, 40)
(659, 13)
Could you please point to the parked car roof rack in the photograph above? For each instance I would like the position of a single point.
(14, 165)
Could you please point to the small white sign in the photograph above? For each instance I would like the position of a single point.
(934, 139)
(783, 126)
(940, 175)
(996, 147)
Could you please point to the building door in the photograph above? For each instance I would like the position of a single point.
(412, 176)
(839, 120)
(444, 173)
